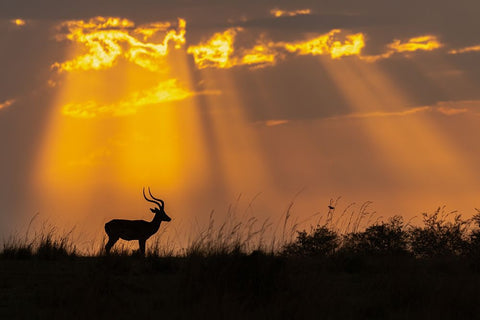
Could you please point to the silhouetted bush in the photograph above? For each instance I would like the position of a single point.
(385, 238)
(439, 237)
(474, 237)
(321, 241)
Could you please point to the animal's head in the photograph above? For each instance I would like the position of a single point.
(160, 211)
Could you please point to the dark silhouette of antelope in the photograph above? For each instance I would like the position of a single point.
(139, 230)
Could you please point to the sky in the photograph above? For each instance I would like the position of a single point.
(243, 104)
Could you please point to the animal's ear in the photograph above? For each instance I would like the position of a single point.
(153, 210)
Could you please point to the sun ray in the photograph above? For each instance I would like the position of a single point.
(398, 138)
(236, 140)
(119, 123)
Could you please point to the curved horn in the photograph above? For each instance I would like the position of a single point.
(151, 195)
(143, 190)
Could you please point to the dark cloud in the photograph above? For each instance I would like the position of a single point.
(455, 21)
(317, 22)
(26, 56)
(299, 89)
(302, 88)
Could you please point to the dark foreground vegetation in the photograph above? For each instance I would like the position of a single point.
(386, 270)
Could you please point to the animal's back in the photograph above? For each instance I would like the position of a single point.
(110, 225)
(119, 228)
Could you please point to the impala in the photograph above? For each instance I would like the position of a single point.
(139, 230)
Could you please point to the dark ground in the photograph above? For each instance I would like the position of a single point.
(256, 286)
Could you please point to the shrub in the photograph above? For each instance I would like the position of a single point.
(321, 241)
(439, 237)
(385, 238)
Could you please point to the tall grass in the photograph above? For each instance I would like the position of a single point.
(351, 229)
(45, 243)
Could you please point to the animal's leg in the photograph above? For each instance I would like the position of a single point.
(110, 243)
(141, 244)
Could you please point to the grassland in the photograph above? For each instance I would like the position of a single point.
(338, 269)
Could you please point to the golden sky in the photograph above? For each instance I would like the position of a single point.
(204, 103)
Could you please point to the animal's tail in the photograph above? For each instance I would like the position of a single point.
(107, 228)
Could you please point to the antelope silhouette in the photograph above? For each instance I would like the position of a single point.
(139, 230)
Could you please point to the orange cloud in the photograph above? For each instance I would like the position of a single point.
(451, 108)
(149, 30)
(444, 107)
(219, 50)
(475, 48)
(451, 111)
(272, 123)
(380, 114)
(216, 51)
(422, 43)
(327, 44)
(164, 92)
(106, 39)
(283, 13)
(7, 103)
(261, 55)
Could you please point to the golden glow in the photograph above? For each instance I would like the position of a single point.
(87, 136)
(19, 22)
(465, 50)
(108, 39)
(283, 13)
(7, 103)
(215, 52)
(326, 44)
(89, 146)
